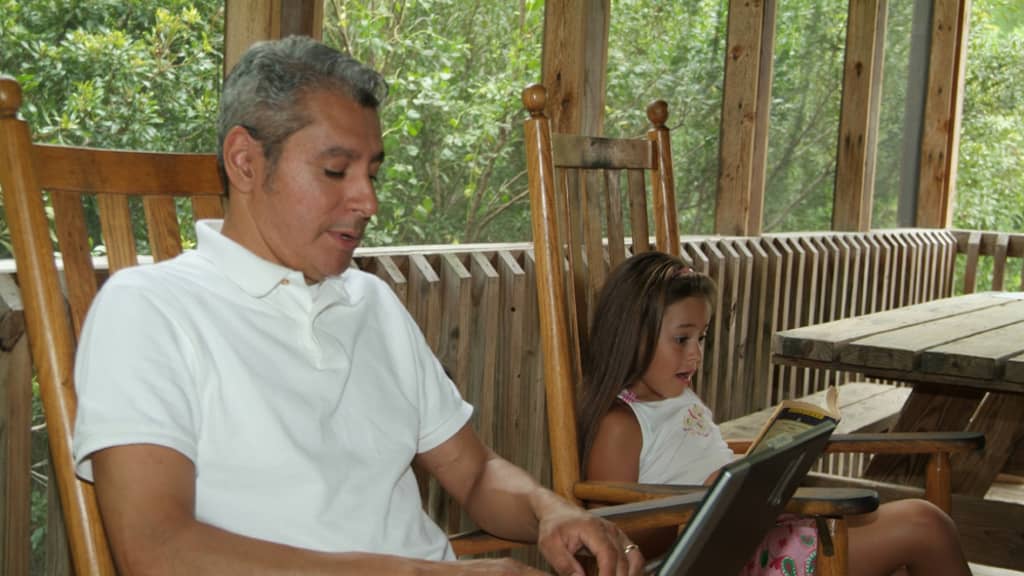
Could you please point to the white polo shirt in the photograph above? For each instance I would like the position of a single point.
(300, 406)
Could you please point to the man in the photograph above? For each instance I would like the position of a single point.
(255, 406)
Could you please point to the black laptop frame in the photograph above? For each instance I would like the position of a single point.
(743, 504)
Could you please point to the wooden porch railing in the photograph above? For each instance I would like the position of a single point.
(477, 307)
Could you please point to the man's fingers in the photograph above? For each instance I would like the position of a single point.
(561, 559)
(609, 547)
(636, 561)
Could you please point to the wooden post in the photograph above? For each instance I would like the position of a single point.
(851, 211)
(550, 290)
(574, 63)
(248, 21)
(944, 101)
(666, 226)
(759, 161)
(739, 113)
(874, 112)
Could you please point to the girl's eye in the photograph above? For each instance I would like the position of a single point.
(334, 173)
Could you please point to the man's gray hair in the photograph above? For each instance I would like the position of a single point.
(265, 90)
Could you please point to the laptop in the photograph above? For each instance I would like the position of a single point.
(742, 505)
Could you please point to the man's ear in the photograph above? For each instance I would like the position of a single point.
(242, 156)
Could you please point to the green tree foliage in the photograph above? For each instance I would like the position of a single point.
(453, 120)
(990, 181)
(804, 125)
(656, 51)
(143, 74)
(889, 161)
(138, 74)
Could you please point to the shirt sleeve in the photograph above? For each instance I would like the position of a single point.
(442, 410)
(132, 374)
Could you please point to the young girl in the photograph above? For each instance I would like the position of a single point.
(640, 421)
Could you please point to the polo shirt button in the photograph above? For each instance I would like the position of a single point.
(285, 282)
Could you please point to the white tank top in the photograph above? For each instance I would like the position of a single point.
(681, 443)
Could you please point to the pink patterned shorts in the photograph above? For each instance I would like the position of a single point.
(789, 549)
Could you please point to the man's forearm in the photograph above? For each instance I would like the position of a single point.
(199, 549)
(509, 503)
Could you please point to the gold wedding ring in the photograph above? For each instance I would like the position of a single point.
(629, 548)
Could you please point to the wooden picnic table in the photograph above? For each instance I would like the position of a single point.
(963, 355)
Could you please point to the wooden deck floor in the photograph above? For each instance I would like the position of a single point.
(1012, 491)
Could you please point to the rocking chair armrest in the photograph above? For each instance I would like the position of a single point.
(657, 505)
(832, 502)
(907, 443)
(626, 492)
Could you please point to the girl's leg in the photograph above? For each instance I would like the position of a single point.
(911, 534)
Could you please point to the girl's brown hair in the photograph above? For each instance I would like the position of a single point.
(625, 327)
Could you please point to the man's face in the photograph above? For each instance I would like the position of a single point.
(310, 214)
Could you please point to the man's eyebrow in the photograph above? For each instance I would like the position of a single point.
(335, 151)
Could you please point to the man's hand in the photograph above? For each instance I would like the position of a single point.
(504, 500)
(565, 530)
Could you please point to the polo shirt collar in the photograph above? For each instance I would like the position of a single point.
(254, 275)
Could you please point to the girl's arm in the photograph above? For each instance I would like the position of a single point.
(615, 457)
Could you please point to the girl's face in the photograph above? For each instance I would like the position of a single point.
(679, 351)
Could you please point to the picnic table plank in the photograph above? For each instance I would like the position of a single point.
(901, 348)
(979, 356)
(1015, 369)
(861, 404)
(823, 342)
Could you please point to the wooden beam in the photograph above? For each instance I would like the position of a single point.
(248, 21)
(739, 112)
(875, 111)
(301, 18)
(913, 118)
(759, 162)
(957, 108)
(596, 21)
(851, 210)
(942, 105)
(574, 62)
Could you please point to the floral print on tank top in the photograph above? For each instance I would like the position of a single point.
(696, 420)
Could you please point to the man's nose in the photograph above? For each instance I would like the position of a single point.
(363, 199)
